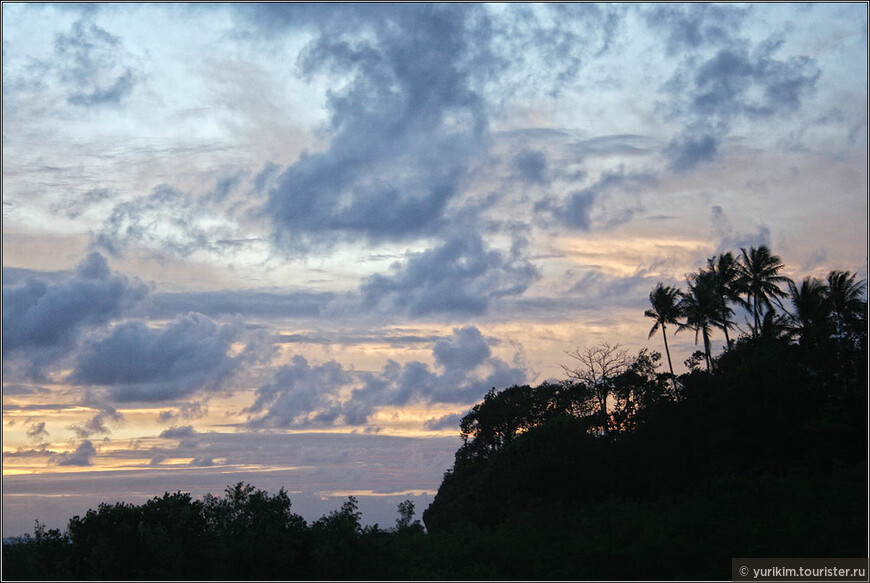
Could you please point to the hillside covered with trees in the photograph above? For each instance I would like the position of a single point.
(621, 471)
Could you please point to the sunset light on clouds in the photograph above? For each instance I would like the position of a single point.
(293, 244)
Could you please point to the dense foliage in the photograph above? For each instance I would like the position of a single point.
(618, 472)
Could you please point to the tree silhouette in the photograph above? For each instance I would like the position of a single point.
(726, 272)
(406, 516)
(665, 310)
(774, 327)
(759, 279)
(702, 308)
(810, 310)
(846, 300)
(598, 366)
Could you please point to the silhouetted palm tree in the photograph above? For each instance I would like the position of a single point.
(846, 300)
(810, 309)
(759, 279)
(665, 310)
(774, 326)
(702, 309)
(726, 270)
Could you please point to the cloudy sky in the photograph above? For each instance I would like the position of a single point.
(293, 244)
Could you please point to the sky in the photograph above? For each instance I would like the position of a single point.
(292, 245)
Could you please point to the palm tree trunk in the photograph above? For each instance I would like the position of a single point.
(668, 352)
(755, 314)
(706, 347)
(727, 337)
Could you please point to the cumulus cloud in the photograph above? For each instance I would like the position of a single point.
(459, 278)
(406, 77)
(435, 71)
(302, 394)
(465, 350)
(44, 318)
(139, 363)
(80, 457)
(182, 432)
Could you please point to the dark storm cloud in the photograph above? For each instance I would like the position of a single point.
(249, 303)
(45, 317)
(80, 457)
(405, 129)
(304, 395)
(459, 278)
(139, 363)
(89, 62)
